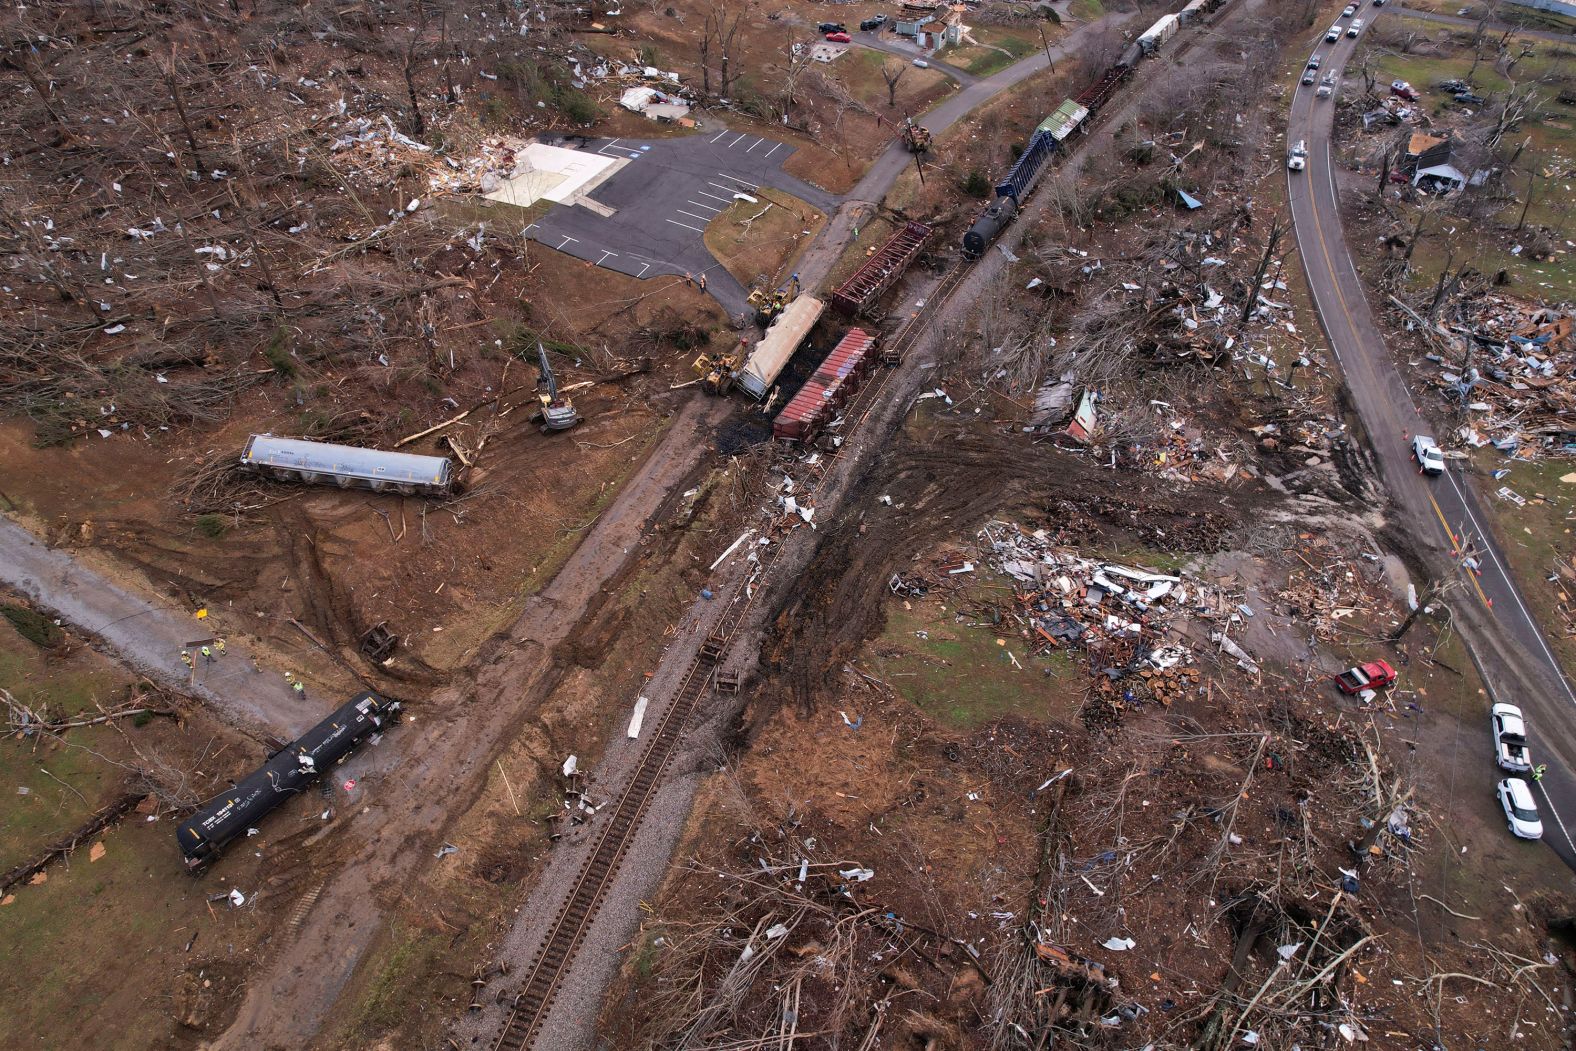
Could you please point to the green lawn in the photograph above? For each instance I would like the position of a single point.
(996, 47)
(63, 784)
(960, 674)
(1537, 536)
(1548, 140)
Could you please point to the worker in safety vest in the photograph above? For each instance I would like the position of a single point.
(186, 658)
(207, 655)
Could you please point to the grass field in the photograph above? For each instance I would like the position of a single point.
(994, 48)
(765, 237)
(1547, 142)
(1537, 537)
(960, 674)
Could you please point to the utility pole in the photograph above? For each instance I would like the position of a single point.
(1046, 44)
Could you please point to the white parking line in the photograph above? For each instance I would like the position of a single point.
(643, 268)
(605, 254)
(723, 134)
(771, 151)
(758, 142)
(607, 146)
(741, 182)
(697, 204)
(686, 226)
(692, 215)
(528, 229)
(703, 193)
(735, 142)
(567, 240)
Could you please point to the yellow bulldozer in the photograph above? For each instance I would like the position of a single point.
(717, 373)
(768, 302)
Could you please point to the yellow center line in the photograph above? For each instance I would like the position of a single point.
(1351, 325)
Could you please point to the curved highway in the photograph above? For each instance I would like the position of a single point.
(1441, 514)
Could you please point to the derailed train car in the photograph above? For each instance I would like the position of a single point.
(288, 771)
(349, 467)
(1018, 183)
(1014, 188)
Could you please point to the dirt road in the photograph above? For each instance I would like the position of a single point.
(438, 762)
(149, 636)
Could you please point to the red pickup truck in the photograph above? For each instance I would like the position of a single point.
(1375, 675)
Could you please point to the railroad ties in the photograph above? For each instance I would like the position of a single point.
(536, 996)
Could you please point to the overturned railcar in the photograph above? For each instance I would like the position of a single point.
(288, 771)
(299, 460)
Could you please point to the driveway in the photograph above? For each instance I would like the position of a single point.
(658, 204)
(894, 45)
(1505, 642)
(1493, 27)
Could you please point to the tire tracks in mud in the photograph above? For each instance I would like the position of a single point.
(437, 766)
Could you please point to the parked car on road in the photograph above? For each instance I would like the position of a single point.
(1326, 85)
(1510, 739)
(874, 22)
(839, 38)
(1355, 28)
(1521, 810)
(1375, 675)
(1313, 63)
(831, 27)
(1351, 9)
(1426, 452)
(1309, 76)
(1297, 156)
(921, 63)
(1333, 35)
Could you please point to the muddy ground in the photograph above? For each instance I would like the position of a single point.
(1214, 822)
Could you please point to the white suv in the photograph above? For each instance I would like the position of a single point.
(1521, 810)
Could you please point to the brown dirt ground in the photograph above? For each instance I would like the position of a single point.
(947, 817)
(834, 148)
(445, 925)
(322, 556)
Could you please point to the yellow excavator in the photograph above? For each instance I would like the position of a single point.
(717, 373)
(769, 303)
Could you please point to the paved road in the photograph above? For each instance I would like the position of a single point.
(671, 188)
(1493, 27)
(149, 637)
(870, 190)
(894, 45)
(662, 200)
(1506, 644)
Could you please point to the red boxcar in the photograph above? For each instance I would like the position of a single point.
(837, 380)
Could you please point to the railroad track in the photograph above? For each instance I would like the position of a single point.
(535, 998)
(542, 982)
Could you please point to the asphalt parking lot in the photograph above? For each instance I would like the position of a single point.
(663, 198)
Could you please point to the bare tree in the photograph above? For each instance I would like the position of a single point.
(892, 72)
(719, 36)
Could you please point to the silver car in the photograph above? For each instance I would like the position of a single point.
(1510, 739)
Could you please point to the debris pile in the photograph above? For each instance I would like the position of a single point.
(1131, 623)
(1511, 367)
